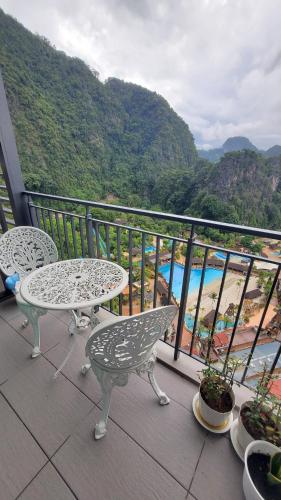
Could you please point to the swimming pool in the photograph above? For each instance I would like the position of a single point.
(150, 249)
(211, 275)
(221, 255)
(220, 325)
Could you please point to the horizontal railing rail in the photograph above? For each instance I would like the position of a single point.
(79, 231)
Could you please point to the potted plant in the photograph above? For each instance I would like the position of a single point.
(262, 472)
(216, 397)
(260, 419)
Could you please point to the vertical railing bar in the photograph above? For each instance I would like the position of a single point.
(210, 339)
(130, 275)
(142, 269)
(156, 271)
(65, 230)
(184, 291)
(52, 225)
(81, 231)
(29, 202)
(73, 231)
(249, 272)
(199, 300)
(3, 221)
(118, 231)
(89, 233)
(59, 235)
(275, 360)
(171, 277)
(38, 218)
(107, 242)
(261, 323)
(44, 220)
(97, 234)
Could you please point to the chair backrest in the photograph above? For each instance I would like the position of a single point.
(24, 249)
(126, 343)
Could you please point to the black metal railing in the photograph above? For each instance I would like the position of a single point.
(79, 230)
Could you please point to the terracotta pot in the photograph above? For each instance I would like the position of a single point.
(212, 417)
(250, 491)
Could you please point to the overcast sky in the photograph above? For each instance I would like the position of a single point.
(217, 62)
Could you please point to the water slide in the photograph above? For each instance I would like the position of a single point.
(102, 244)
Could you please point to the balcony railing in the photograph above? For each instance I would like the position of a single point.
(89, 229)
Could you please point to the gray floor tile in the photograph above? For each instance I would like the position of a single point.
(88, 383)
(52, 330)
(177, 388)
(219, 472)
(15, 353)
(9, 308)
(20, 456)
(48, 485)
(112, 468)
(168, 433)
(49, 408)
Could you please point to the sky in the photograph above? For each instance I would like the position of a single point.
(217, 62)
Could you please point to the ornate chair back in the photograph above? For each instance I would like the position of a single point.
(24, 249)
(125, 344)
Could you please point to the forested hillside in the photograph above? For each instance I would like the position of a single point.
(80, 137)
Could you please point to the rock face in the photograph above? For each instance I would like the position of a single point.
(238, 144)
(78, 136)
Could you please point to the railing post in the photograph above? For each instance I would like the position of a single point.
(184, 292)
(10, 163)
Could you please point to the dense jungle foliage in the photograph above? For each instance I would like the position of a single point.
(119, 142)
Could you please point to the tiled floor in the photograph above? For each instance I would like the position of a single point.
(47, 451)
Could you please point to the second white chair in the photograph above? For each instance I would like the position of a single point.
(121, 346)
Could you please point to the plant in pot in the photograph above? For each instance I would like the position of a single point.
(260, 418)
(216, 398)
(262, 472)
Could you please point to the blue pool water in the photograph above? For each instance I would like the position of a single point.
(210, 276)
(220, 325)
(150, 249)
(221, 255)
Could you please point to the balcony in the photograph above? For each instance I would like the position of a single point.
(150, 452)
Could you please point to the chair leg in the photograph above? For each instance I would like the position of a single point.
(100, 428)
(163, 398)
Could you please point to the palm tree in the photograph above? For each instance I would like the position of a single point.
(213, 296)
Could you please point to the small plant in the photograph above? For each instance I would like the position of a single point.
(274, 474)
(262, 416)
(216, 387)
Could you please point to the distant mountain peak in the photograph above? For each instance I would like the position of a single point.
(237, 143)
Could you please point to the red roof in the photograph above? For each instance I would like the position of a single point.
(220, 339)
(275, 388)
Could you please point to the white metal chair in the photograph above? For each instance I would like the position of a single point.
(22, 250)
(121, 346)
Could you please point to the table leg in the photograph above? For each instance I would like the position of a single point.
(33, 314)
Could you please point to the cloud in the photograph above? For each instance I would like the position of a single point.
(217, 62)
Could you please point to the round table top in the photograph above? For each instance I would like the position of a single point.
(74, 284)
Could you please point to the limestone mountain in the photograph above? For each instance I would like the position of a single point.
(78, 136)
(236, 144)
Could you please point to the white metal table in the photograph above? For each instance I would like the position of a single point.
(73, 285)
